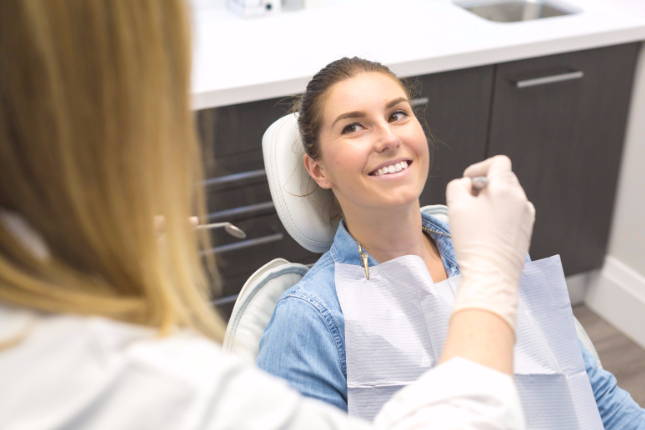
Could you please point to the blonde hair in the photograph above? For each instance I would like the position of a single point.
(96, 140)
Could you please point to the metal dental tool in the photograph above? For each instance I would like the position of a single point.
(479, 183)
(231, 229)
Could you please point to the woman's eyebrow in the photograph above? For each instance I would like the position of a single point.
(396, 101)
(354, 114)
(359, 114)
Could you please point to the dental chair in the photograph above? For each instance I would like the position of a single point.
(304, 210)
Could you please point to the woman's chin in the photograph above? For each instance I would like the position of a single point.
(397, 200)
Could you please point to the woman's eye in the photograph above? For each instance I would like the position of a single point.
(398, 115)
(351, 128)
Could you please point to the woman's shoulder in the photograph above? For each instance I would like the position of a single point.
(311, 304)
(317, 287)
(307, 321)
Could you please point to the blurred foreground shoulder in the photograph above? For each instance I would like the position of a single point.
(97, 373)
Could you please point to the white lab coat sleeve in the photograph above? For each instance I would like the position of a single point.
(97, 374)
(458, 394)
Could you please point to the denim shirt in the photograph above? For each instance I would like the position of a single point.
(304, 341)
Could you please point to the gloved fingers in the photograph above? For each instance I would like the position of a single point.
(503, 183)
(458, 191)
(531, 210)
(493, 165)
(160, 222)
(508, 179)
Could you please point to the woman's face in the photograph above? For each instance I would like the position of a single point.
(374, 152)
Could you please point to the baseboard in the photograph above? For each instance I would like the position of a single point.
(577, 286)
(617, 294)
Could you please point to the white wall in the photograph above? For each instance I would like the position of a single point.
(617, 292)
(627, 241)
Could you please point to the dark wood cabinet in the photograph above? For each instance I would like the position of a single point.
(237, 192)
(562, 119)
(454, 108)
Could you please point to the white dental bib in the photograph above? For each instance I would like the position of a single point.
(396, 323)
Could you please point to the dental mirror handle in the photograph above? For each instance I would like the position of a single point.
(478, 183)
(231, 229)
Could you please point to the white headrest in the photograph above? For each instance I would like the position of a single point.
(304, 208)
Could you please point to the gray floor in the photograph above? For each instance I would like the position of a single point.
(618, 354)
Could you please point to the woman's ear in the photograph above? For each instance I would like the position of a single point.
(317, 172)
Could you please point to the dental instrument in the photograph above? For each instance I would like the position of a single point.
(231, 229)
(479, 183)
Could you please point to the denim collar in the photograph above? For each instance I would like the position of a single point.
(344, 248)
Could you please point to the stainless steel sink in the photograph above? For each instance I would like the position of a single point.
(515, 10)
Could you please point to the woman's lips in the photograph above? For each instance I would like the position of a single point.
(391, 167)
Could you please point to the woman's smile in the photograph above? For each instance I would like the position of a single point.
(391, 169)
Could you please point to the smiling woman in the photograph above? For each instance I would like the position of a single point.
(373, 152)
(364, 143)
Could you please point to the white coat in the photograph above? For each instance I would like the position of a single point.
(74, 372)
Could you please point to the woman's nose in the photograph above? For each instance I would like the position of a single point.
(387, 138)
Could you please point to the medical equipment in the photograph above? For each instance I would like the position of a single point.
(479, 182)
(231, 229)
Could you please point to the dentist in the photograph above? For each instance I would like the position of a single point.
(105, 326)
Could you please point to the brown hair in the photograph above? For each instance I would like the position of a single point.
(96, 139)
(309, 105)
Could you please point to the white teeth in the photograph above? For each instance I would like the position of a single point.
(392, 168)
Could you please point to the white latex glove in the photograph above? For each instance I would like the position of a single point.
(491, 233)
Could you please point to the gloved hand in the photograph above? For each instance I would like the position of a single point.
(491, 233)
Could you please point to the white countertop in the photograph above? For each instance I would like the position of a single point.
(243, 59)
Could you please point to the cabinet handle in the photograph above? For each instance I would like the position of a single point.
(235, 177)
(247, 243)
(419, 101)
(545, 80)
(241, 210)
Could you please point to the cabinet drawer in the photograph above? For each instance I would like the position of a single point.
(266, 239)
(258, 229)
(226, 197)
(232, 165)
(562, 120)
(454, 108)
(235, 129)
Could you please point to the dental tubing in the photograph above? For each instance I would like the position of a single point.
(491, 231)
